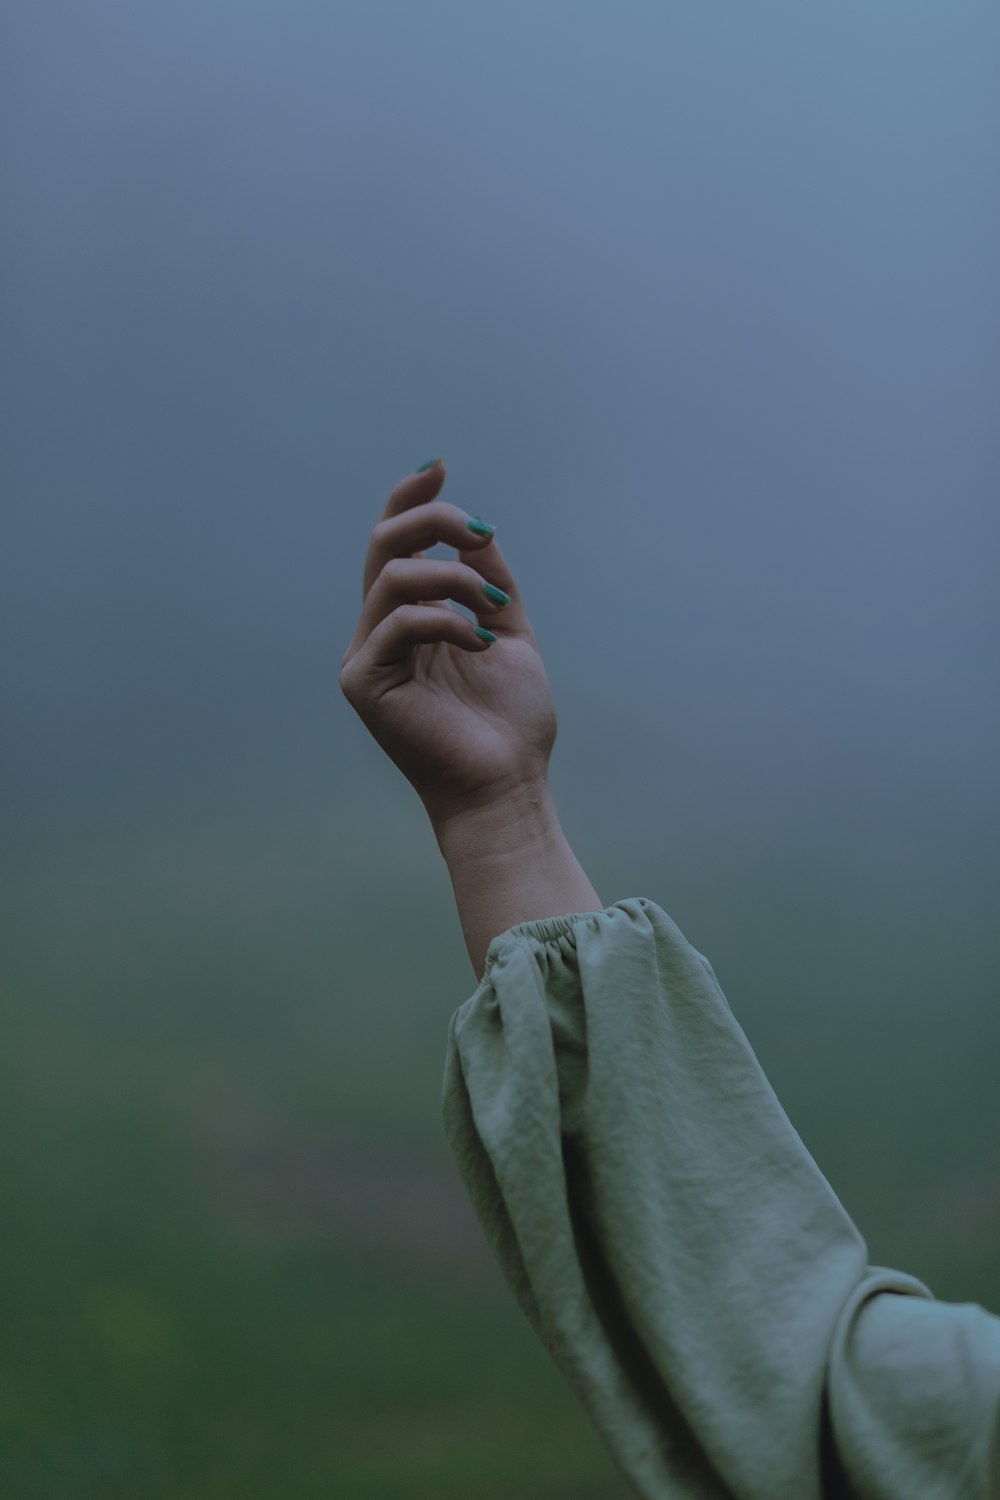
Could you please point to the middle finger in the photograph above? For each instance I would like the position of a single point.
(422, 527)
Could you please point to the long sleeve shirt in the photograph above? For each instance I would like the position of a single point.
(677, 1249)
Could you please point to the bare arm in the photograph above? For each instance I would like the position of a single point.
(469, 721)
(510, 862)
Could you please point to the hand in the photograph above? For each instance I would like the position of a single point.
(467, 722)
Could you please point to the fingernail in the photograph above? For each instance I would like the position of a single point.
(428, 465)
(485, 635)
(480, 527)
(497, 595)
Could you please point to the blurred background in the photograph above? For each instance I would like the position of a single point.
(700, 304)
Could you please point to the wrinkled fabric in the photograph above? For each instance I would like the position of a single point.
(676, 1248)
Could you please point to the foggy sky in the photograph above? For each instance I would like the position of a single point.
(699, 303)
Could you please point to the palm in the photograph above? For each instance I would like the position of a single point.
(457, 724)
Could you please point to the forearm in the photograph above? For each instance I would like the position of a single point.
(510, 862)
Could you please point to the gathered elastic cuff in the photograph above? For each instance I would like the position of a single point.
(559, 929)
(639, 911)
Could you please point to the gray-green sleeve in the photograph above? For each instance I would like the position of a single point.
(677, 1249)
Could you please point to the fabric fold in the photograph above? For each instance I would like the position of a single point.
(663, 1227)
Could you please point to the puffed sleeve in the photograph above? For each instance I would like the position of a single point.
(679, 1252)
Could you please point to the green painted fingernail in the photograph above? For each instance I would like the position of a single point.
(480, 527)
(485, 635)
(497, 595)
(428, 465)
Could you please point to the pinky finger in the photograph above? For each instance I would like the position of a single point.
(410, 625)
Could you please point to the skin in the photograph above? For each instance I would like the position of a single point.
(471, 725)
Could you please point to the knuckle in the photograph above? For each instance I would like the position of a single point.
(438, 521)
(419, 614)
(456, 517)
(404, 616)
(348, 682)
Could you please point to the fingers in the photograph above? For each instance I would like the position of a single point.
(397, 574)
(414, 520)
(490, 562)
(404, 538)
(416, 530)
(410, 580)
(408, 626)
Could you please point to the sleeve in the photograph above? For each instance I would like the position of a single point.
(678, 1251)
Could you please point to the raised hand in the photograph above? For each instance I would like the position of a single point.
(468, 720)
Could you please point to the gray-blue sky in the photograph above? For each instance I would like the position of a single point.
(699, 302)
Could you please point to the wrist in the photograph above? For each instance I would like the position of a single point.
(508, 824)
(510, 862)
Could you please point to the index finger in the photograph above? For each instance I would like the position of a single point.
(415, 489)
